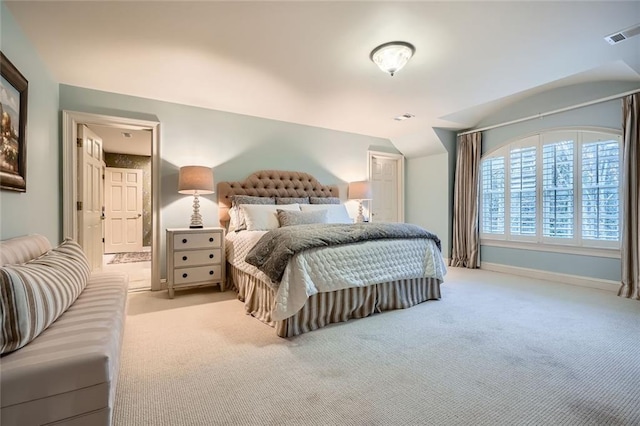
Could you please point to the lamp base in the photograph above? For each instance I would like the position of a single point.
(360, 216)
(196, 218)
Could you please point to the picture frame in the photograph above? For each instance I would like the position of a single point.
(13, 127)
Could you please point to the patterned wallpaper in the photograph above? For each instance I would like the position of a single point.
(137, 162)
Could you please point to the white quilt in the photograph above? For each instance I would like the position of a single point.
(333, 268)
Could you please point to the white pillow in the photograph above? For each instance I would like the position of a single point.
(262, 217)
(336, 213)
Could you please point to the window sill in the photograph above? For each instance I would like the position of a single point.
(554, 248)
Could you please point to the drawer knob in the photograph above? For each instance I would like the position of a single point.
(184, 275)
(211, 256)
(211, 239)
(210, 272)
(184, 241)
(184, 257)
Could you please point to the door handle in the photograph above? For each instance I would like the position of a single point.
(135, 217)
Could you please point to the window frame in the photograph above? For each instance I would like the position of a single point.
(577, 244)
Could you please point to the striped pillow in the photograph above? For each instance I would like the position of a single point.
(34, 294)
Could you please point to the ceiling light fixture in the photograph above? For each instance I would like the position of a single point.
(391, 57)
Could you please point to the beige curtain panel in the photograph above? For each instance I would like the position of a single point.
(630, 250)
(465, 250)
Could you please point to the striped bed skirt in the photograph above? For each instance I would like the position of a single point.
(323, 309)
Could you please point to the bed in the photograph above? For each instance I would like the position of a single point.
(320, 285)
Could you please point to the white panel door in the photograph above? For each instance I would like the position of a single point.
(123, 202)
(385, 190)
(90, 195)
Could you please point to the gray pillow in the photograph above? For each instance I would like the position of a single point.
(292, 200)
(236, 200)
(290, 218)
(324, 200)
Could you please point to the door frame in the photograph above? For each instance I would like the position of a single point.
(399, 159)
(70, 122)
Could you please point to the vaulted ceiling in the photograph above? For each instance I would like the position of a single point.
(308, 62)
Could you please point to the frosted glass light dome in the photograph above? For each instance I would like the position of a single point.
(391, 57)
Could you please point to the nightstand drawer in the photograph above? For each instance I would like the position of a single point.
(201, 240)
(196, 257)
(197, 274)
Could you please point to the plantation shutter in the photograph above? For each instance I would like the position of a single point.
(600, 190)
(493, 197)
(523, 191)
(557, 189)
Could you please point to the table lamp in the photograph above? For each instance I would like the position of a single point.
(195, 180)
(360, 191)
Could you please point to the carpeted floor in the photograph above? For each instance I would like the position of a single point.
(131, 257)
(496, 350)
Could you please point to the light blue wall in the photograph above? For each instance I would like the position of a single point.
(234, 145)
(572, 264)
(427, 195)
(606, 114)
(429, 184)
(39, 209)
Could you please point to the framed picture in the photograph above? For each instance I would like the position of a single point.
(13, 112)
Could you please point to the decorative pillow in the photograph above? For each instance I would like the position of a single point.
(290, 218)
(236, 200)
(34, 294)
(236, 221)
(263, 217)
(324, 200)
(336, 213)
(292, 200)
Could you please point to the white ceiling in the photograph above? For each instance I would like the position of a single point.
(123, 141)
(308, 62)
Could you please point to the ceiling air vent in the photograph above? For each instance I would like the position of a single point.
(404, 116)
(623, 35)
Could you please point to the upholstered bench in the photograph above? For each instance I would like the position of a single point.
(67, 373)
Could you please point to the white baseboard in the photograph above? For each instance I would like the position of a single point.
(578, 280)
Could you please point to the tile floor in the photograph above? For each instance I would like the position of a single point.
(139, 272)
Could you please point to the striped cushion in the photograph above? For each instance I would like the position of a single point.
(34, 294)
(23, 249)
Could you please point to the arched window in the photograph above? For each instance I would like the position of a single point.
(556, 187)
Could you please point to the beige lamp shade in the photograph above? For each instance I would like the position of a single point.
(195, 180)
(360, 190)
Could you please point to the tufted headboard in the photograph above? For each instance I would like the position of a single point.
(272, 183)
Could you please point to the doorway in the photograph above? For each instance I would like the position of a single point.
(127, 203)
(109, 125)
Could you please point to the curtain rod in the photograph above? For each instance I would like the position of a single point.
(555, 111)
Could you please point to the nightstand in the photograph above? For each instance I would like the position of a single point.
(195, 257)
